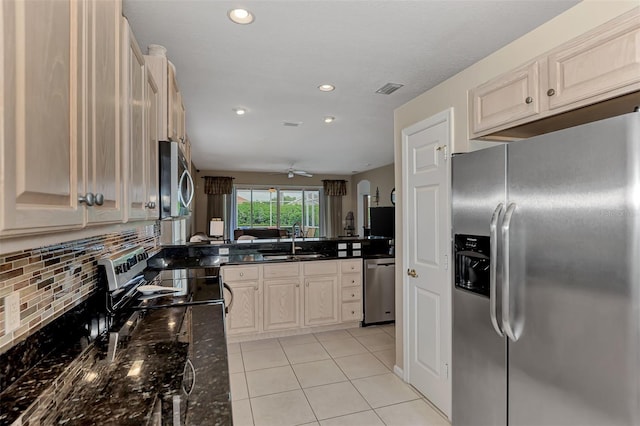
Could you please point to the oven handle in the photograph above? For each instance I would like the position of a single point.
(227, 308)
(193, 381)
(493, 265)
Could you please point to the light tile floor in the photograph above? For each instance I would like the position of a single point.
(334, 378)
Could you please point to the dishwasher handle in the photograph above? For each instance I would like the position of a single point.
(375, 265)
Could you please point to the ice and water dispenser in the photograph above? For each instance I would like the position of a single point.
(472, 257)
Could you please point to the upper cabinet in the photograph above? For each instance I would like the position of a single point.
(102, 121)
(600, 65)
(133, 120)
(48, 134)
(172, 112)
(152, 98)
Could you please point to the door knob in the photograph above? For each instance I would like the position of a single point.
(412, 273)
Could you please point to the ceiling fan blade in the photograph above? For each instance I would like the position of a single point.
(302, 173)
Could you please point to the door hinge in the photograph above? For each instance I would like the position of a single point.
(446, 262)
(446, 370)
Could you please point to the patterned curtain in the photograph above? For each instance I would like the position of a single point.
(216, 185)
(335, 187)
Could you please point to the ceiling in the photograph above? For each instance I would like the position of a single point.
(273, 68)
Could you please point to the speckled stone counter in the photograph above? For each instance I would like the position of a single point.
(159, 359)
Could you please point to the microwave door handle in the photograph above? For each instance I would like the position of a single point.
(493, 268)
(184, 202)
(506, 286)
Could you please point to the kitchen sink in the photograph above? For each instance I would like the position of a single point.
(301, 256)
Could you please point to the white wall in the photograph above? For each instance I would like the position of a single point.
(453, 93)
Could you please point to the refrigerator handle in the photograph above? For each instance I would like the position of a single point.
(506, 284)
(493, 268)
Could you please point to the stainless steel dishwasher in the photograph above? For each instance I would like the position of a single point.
(379, 290)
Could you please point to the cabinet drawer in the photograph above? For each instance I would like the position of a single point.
(243, 273)
(354, 265)
(351, 294)
(351, 311)
(280, 270)
(321, 267)
(351, 280)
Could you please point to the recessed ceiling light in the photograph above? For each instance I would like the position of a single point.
(240, 111)
(329, 119)
(326, 87)
(240, 16)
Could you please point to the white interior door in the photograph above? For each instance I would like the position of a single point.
(427, 239)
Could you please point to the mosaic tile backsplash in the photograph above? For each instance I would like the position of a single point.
(53, 279)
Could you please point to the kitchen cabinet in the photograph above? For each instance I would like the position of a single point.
(600, 65)
(351, 289)
(133, 120)
(244, 314)
(102, 93)
(61, 166)
(281, 296)
(152, 98)
(287, 296)
(172, 124)
(321, 293)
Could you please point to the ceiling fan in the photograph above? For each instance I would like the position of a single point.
(292, 172)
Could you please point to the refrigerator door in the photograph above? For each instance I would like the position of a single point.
(479, 354)
(574, 277)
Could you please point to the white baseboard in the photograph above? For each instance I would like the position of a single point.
(398, 371)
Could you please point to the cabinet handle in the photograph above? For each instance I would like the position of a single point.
(551, 92)
(353, 281)
(242, 274)
(99, 199)
(529, 99)
(297, 285)
(353, 295)
(353, 312)
(88, 199)
(150, 205)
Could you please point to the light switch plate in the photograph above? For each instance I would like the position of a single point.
(11, 312)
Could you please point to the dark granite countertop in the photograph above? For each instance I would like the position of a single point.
(125, 377)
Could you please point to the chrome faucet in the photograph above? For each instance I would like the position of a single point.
(293, 237)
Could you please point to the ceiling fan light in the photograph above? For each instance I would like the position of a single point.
(290, 175)
(328, 119)
(240, 111)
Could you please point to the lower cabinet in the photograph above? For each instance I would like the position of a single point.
(281, 304)
(293, 295)
(321, 300)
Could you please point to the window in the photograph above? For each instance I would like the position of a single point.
(278, 208)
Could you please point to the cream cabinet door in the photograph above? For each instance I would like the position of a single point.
(244, 312)
(506, 99)
(174, 102)
(135, 81)
(604, 62)
(152, 110)
(321, 300)
(40, 140)
(281, 304)
(103, 152)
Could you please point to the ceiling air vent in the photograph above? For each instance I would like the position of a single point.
(292, 123)
(389, 88)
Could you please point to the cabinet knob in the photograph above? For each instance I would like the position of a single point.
(353, 295)
(150, 205)
(99, 199)
(88, 199)
(551, 92)
(529, 99)
(297, 285)
(256, 288)
(242, 274)
(353, 281)
(353, 312)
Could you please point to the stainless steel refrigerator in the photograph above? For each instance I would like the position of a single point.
(546, 300)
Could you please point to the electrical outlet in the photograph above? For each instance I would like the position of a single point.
(11, 312)
(223, 251)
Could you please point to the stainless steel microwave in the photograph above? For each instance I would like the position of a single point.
(176, 183)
